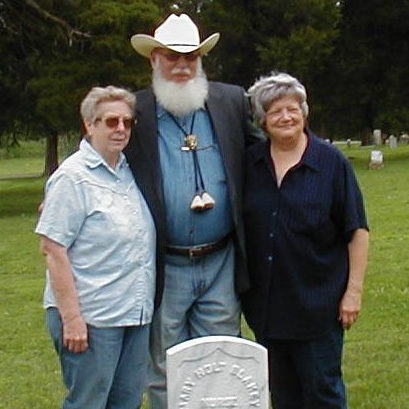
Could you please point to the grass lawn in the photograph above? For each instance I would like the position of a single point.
(26, 166)
(376, 349)
(28, 159)
(30, 374)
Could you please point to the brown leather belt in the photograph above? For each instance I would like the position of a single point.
(199, 251)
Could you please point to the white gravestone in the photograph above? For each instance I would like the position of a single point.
(377, 137)
(393, 142)
(217, 372)
(376, 161)
(404, 138)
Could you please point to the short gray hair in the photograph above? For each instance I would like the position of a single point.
(272, 87)
(102, 94)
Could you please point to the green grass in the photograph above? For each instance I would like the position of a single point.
(376, 349)
(25, 149)
(27, 166)
(28, 158)
(30, 374)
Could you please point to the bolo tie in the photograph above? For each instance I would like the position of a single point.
(202, 200)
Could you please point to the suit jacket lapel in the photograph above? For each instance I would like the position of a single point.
(218, 106)
(146, 128)
(143, 153)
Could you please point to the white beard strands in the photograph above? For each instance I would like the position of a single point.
(180, 99)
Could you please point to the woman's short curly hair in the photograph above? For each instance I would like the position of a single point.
(97, 95)
(272, 87)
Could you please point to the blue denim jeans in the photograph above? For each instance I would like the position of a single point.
(306, 374)
(199, 300)
(111, 374)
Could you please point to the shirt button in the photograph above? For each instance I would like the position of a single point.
(271, 235)
(270, 258)
(274, 213)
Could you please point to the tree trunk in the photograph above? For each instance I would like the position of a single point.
(51, 154)
(366, 137)
(14, 141)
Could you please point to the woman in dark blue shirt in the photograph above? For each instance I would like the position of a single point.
(307, 243)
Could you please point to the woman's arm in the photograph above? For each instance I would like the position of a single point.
(75, 334)
(351, 302)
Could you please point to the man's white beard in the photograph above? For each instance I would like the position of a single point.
(180, 99)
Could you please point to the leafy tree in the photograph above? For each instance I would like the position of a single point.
(351, 55)
(297, 37)
(370, 77)
(54, 64)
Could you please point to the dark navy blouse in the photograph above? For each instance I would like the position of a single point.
(297, 240)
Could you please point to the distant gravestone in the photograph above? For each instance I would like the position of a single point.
(377, 137)
(393, 142)
(376, 161)
(217, 372)
(404, 138)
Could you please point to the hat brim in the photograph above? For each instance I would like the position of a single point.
(144, 44)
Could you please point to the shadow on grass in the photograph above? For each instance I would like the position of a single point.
(20, 196)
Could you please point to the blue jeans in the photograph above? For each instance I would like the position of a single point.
(110, 374)
(199, 300)
(306, 374)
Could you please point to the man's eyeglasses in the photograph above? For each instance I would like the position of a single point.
(112, 122)
(173, 57)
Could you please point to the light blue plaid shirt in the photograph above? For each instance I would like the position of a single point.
(99, 214)
(186, 227)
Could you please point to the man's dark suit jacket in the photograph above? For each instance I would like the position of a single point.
(230, 114)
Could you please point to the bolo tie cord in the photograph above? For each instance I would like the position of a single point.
(199, 182)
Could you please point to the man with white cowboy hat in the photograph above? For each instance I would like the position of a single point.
(186, 154)
(177, 33)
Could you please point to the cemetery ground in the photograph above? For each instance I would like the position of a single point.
(376, 348)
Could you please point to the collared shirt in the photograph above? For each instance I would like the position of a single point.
(99, 214)
(297, 236)
(186, 227)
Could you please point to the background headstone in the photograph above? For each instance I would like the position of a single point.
(217, 372)
(376, 160)
(377, 137)
(404, 138)
(393, 142)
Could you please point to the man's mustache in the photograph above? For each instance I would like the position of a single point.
(184, 70)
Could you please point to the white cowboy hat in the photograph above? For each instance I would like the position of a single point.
(176, 33)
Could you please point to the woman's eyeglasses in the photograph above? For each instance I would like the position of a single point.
(112, 122)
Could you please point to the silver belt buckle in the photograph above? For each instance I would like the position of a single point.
(191, 252)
